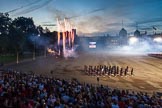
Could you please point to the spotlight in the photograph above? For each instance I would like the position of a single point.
(158, 39)
(133, 40)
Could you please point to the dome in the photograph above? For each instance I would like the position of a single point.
(123, 32)
(137, 33)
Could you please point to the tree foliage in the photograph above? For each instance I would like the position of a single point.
(21, 34)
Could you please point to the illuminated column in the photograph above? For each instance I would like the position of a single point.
(17, 60)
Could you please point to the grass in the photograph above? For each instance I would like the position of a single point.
(7, 58)
(12, 58)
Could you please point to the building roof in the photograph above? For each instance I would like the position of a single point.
(137, 33)
(123, 32)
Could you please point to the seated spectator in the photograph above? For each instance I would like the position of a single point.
(19, 90)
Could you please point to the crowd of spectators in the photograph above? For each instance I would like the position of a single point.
(24, 90)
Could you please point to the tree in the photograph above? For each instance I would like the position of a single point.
(5, 23)
(22, 29)
(21, 34)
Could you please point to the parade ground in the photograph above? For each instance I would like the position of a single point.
(147, 70)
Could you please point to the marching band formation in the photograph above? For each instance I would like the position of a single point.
(102, 70)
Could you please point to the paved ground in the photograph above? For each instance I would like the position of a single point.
(147, 70)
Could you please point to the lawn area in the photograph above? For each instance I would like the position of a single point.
(7, 58)
(12, 58)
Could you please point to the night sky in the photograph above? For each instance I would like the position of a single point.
(91, 17)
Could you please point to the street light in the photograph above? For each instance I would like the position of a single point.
(34, 49)
(133, 40)
(158, 39)
(17, 57)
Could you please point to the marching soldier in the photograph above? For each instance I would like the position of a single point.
(121, 71)
(132, 72)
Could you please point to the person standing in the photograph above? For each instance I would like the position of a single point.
(98, 79)
(121, 71)
(117, 70)
(132, 72)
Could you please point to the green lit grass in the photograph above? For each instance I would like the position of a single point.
(7, 58)
(12, 58)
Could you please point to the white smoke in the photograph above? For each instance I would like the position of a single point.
(71, 53)
(141, 48)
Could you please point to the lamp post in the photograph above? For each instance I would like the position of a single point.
(45, 52)
(34, 49)
(17, 57)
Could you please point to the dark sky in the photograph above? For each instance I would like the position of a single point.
(91, 17)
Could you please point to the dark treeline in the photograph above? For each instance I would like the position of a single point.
(21, 35)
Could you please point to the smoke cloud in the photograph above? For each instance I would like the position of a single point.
(39, 40)
(90, 12)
